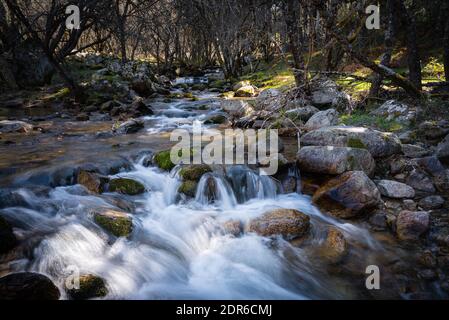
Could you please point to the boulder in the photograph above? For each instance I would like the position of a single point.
(326, 94)
(431, 202)
(322, 119)
(379, 144)
(216, 118)
(302, 114)
(8, 126)
(194, 172)
(395, 190)
(90, 286)
(414, 151)
(411, 225)
(441, 181)
(419, 181)
(126, 186)
(348, 196)
(129, 127)
(335, 160)
(246, 92)
(7, 238)
(335, 247)
(394, 110)
(92, 181)
(233, 227)
(138, 107)
(236, 107)
(268, 94)
(116, 222)
(163, 161)
(289, 223)
(443, 151)
(188, 188)
(432, 131)
(28, 286)
(241, 84)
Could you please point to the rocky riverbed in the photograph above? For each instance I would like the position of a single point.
(90, 188)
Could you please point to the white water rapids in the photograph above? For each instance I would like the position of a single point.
(178, 249)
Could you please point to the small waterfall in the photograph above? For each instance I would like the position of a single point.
(248, 185)
(215, 189)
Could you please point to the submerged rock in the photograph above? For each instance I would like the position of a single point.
(335, 247)
(233, 227)
(129, 127)
(90, 287)
(412, 225)
(289, 223)
(116, 222)
(335, 160)
(7, 126)
(92, 181)
(379, 144)
(348, 196)
(7, 238)
(188, 188)
(322, 119)
(126, 186)
(395, 190)
(28, 286)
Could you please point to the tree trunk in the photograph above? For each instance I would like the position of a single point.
(446, 47)
(414, 61)
(389, 45)
(294, 34)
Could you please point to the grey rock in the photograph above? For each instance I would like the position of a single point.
(395, 190)
(322, 119)
(379, 144)
(335, 160)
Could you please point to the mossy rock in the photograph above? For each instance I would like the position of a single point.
(199, 87)
(163, 161)
(188, 188)
(115, 222)
(356, 143)
(227, 95)
(90, 287)
(216, 119)
(126, 186)
(7, 238)
(188, 95)
(194, 172)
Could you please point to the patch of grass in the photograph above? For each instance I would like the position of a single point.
(271, 76)
(367, 120)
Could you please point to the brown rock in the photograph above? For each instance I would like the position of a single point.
(286, 222)
(348, 196)
(411, 225)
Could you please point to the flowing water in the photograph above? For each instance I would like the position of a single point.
(179, 248)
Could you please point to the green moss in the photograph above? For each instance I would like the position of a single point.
(117, 225)
(188, 95)
(356, 143)
(126, 186)
(163, 161)
(90, 287)
(218, 84)
(194, 172)
(368, 120)
(188, 188)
